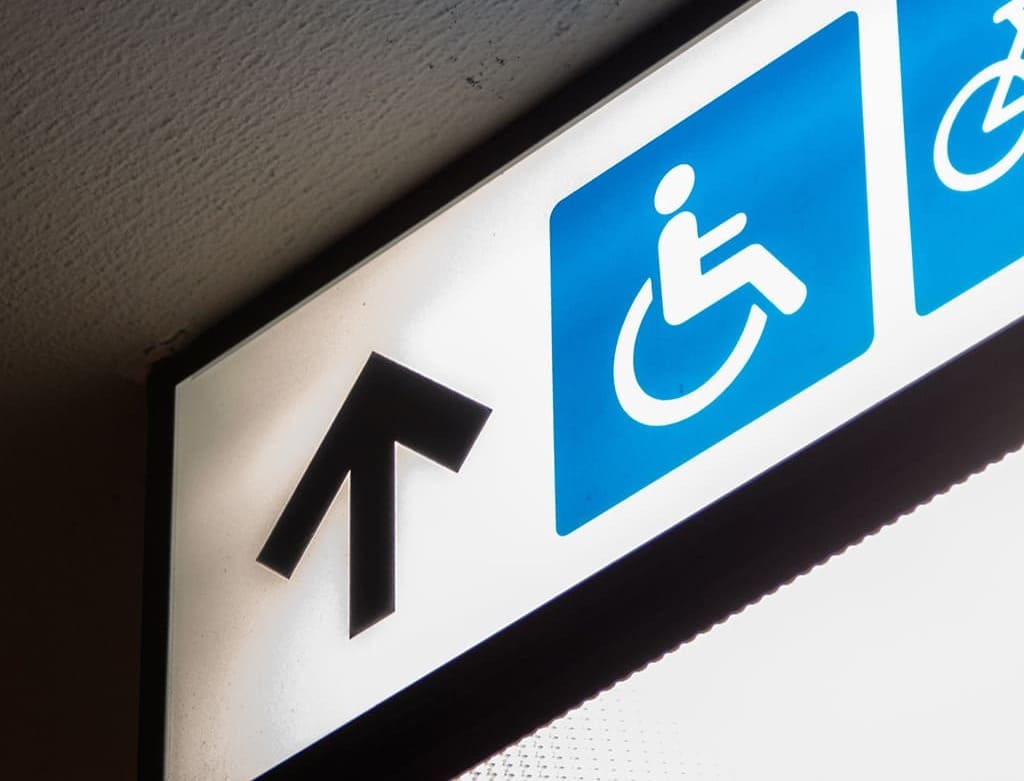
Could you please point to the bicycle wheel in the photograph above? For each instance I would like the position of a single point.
(953, 177)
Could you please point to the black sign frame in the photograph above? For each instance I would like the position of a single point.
(862, 476)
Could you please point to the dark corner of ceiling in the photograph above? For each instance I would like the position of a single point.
(160, 164)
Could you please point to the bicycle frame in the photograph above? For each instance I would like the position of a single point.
(1000, 111)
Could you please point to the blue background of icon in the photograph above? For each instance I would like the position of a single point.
(959, 239)
(786, 146)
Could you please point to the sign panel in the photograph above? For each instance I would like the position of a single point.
(965, 140)
(746, 248)
(701, 281)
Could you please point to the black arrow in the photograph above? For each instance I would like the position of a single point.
(388, 403)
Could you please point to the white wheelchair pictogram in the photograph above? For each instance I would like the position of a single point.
(1000, 111)
(687, 290)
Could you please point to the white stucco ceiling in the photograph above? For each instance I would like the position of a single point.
(162, 162)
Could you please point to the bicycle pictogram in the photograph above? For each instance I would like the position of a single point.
(687, 290)
(1001, 110)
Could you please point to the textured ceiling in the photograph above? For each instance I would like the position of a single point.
(160, 163)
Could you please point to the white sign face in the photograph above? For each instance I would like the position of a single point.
(777, 228)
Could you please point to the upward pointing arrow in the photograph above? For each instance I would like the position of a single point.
(388, 403)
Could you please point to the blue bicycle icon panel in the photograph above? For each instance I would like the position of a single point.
(710, 276)
(963, 92)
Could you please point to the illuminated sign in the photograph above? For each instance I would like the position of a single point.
(444, 465)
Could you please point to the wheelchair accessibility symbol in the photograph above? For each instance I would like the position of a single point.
(963, 92)
(709, 277)
(687, 291)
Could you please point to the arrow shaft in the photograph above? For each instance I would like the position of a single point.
(311, 499)
(372, 540)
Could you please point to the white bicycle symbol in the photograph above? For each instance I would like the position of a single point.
(687, 290)
(999, 111)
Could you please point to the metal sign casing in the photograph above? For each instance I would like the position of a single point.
(670, 301)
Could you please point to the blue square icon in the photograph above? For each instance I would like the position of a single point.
(963, 93)
(710, 276)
